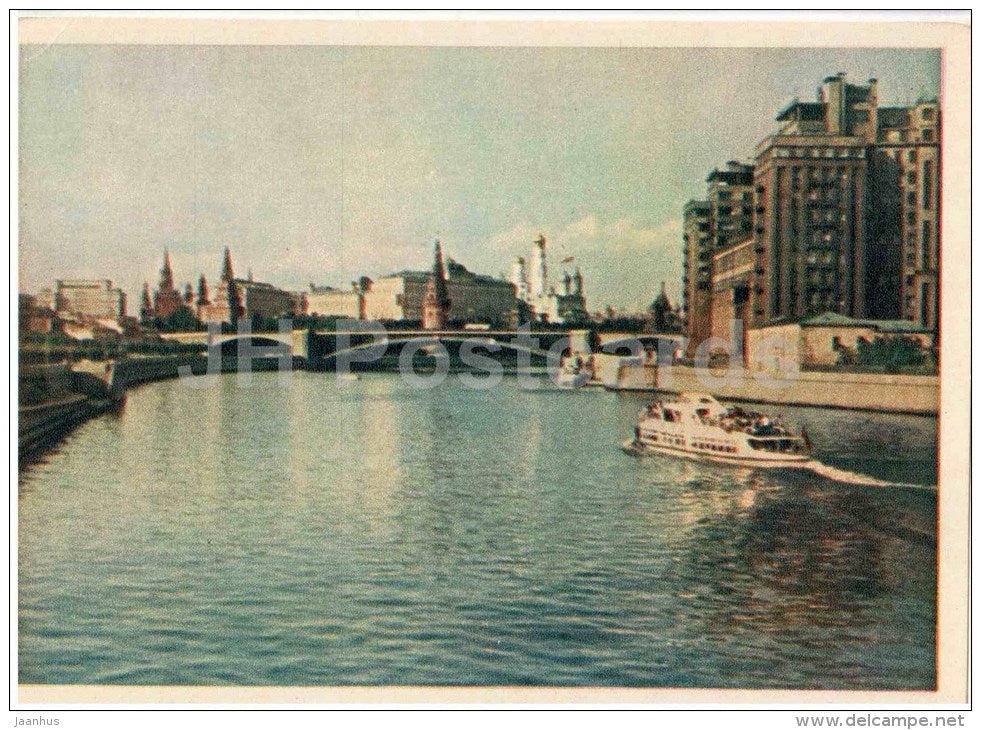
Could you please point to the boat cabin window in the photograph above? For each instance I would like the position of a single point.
(776, 445)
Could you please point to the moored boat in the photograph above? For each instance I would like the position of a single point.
(574, 373)
(696, 425)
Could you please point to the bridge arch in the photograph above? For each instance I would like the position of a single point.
(421, 341)
(627, 344)
(262, 344)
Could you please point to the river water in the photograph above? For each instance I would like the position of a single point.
(369, 533)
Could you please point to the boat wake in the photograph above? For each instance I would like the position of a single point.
(816, 467)
(849, 477)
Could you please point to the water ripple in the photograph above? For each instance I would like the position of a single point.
(331, 536)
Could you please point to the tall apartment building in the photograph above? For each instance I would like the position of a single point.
(697, 277)
(810, 243)
(723, 220)
(730, 199)
(845, 217)
(906, 182)
(849, 196)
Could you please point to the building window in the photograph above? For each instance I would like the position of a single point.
(927, 114)
(911, 156)
(927, 183)
(911, 197)
(925, 246)
(925, 304)
(927, 135)
(911, 177)
(911, 217)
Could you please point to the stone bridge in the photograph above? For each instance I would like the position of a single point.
(293, 343)
(327, 348)
(319, 349)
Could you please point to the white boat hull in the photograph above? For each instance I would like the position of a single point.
(768, 461)
(571, 381)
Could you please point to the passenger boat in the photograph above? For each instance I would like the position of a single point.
(696, 425)
(574, 373)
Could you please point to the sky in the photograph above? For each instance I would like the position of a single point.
(322, 164)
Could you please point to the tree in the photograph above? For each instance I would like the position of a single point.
(182, 320)
(889, 354)
(661, 313)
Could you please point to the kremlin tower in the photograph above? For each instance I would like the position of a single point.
(436, 305)
(167, 299)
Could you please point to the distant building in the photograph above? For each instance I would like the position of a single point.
(819, 341)
(34, 317)
(538, 274)
(95, 298)
(472, 297)
(326, 301)
(544, 303)
(520, 279)
(234, 298)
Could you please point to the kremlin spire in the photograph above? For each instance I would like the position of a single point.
(226, 269)
(436, 305)
(166, 273)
